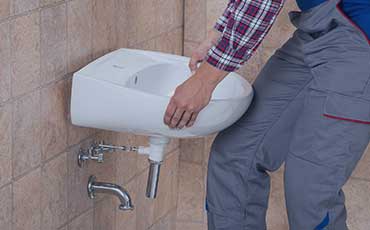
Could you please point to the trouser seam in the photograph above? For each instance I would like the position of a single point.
(267, 132)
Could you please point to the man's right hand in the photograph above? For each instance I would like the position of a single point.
(201, 51)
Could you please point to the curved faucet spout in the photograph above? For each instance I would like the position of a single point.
(94, 187)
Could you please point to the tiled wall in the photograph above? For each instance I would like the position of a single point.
(200, 15)
(42, 42)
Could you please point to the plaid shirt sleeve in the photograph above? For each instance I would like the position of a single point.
(244, 25)
(222, 21)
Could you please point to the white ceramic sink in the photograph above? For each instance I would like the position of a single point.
(128, 91)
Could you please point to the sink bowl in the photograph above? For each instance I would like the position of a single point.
(128, 91)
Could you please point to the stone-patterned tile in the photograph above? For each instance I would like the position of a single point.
(253, 66)
(276, 214)
(168, 222)
(127, 220)
(25, 61)
(78, 200)
(104, 28)
(171, 42)
(358, 202)
(215, 8)
(80, 14)
(191, 193)
(189, 47)
(192, 150)
(75, 133)
(126, 163)
(282, 29)
(53, 43)
(6, 208)
(144, 206)
(20, 6)
(167, 188)
(142, 20)
(4, 61)
(54, 203)
(5, 144)
(195, 20)
(104, 214)
(5, 6)
(27, 207)
(83, 222)
(122, 23)
(363, 170)
(169, 14)
(190, 225)
(26, 127)
(208, 141)
(54, 119)
(47, 2)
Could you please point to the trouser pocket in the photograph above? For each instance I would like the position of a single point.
(347, 108)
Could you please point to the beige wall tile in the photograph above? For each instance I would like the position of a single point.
(191, 193)
(192, 150)
(6, 208)
(83, 222)
(5, 6)
(78, 200)
(4, 61)
(253, 66)
(190, 225)
(169, 14)
(47, 2)
(144, 206)
(54, 182)
(25, 43)
(104, 29)
(5, 144)
(27, 209)
(168, 222)
(283, 29)
(358, 202)
(80, 14)
(121, 24)
(20, 6)
(53, 43)
(167, 188)
(276, 214)
(171, 42)
(104, 214)
(53, 119)
(215, 8)
(141, 20)
(195, 20)
(127, 220)
(189, 48)
(26, 126)
(363, 170)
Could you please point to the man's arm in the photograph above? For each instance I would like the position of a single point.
(244, 26)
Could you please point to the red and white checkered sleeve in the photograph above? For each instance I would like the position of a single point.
(223, 19)
(247, 25)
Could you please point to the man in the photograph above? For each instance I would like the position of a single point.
(311, 110)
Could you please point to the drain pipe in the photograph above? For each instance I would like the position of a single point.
(156, 153)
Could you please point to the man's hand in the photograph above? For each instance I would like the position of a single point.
(201, 52)
(192, 96)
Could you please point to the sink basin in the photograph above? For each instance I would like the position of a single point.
(128, 91)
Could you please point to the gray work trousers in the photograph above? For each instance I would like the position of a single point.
(311, 110)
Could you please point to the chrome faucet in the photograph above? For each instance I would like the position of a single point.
(94, 187)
